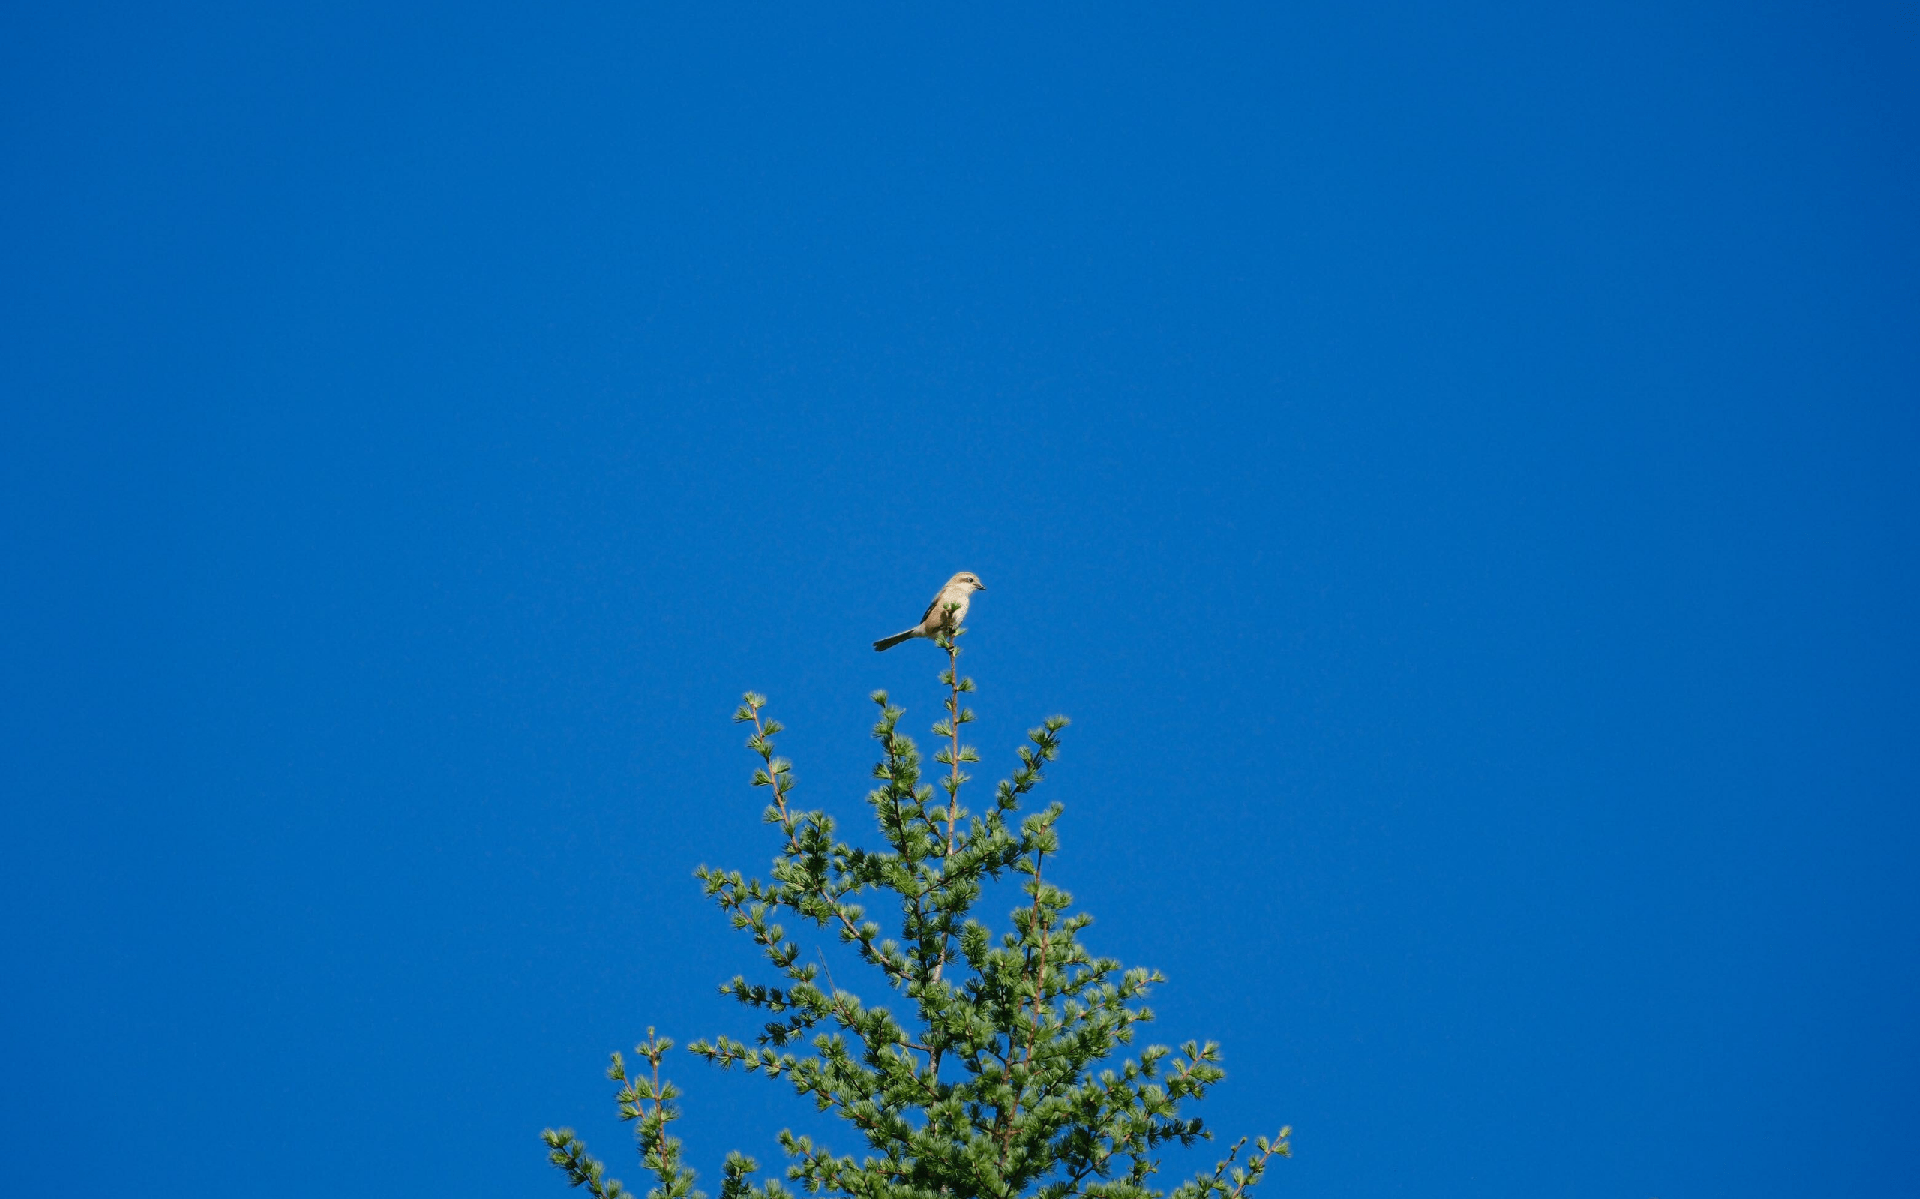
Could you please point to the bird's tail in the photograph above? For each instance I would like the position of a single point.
(896, 639)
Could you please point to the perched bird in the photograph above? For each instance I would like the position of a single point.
(959, 590)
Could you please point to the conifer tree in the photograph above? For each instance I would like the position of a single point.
(1003, 1076)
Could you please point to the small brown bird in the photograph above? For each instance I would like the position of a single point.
(959, 590)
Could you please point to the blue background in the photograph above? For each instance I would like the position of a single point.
(1454, 464)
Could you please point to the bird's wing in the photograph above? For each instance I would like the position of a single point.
(924, 616)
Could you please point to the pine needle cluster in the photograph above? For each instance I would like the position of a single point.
(1004, 1078)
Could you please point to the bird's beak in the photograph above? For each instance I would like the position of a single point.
(979, 586)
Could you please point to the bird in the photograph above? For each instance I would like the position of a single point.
(959, 591)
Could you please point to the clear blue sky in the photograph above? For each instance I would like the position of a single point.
(1455, 464)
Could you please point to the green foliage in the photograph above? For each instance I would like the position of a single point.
(1003, 1079)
